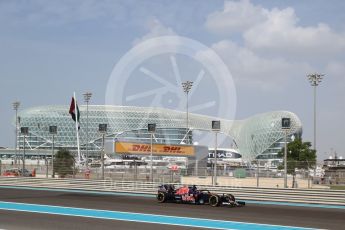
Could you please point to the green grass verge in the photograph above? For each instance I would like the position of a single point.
(338, 187)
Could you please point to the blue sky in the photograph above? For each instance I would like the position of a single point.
(48, 49)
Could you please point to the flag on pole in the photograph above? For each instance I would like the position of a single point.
(74, 112)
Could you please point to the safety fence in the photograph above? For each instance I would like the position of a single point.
(311, 196)
(227, 176)
(141, 172)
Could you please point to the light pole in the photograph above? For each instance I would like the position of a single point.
(102, 128)
(151, 128)
(187, 86)
(53, 132)
(315, 79)
(24, 131)
(215, 129)
(16, 105)
(87, 97)
(285, 161)
(286, 124)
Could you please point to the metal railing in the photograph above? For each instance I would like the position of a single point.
(311, 196)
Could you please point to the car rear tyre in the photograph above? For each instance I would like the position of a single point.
(161, 197)
(214, 201)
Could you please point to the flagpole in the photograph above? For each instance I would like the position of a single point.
(76, 125)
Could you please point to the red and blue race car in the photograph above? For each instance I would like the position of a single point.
(192, 195)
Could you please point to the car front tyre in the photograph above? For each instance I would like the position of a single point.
(214, 201)
(161, 197)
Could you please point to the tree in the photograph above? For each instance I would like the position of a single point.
(299, 156)
(63, 163)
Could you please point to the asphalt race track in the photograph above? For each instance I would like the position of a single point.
(326, 218)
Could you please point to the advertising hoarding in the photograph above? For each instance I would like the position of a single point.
(158, 149)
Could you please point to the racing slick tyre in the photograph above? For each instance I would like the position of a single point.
(161, 197)
(214, 201)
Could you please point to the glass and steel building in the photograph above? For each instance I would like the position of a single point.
(257, 136)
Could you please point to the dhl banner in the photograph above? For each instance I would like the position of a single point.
(157, 149)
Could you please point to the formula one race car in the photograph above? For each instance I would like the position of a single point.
(192, 195)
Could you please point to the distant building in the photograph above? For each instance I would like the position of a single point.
(334, 169)
(257, 136)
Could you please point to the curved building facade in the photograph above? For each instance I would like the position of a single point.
(255, 136)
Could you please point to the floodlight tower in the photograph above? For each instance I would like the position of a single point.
(102, 128)
(87, 97)
(16, 105)
(315, 79)
(187, 86)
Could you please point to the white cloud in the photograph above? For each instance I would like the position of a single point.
(280, 33)
(273, 47)
(250, 69)
(235, 17)
(276, 31)
(155, 29)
